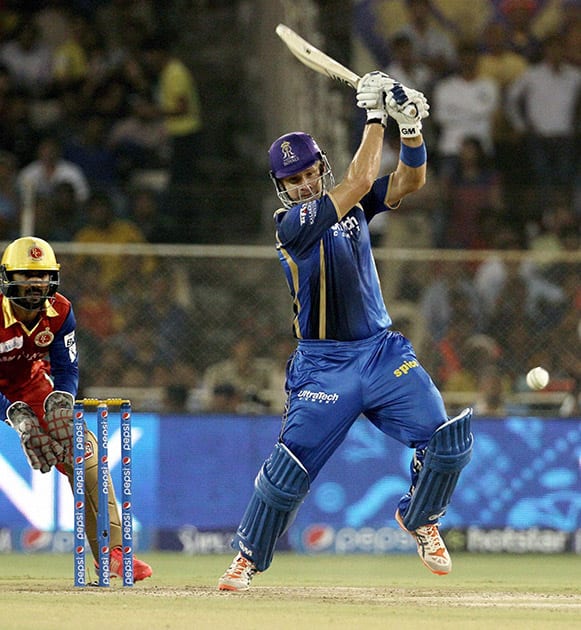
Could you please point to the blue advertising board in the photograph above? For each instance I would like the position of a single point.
(194, 476)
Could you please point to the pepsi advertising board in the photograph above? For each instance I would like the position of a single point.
(193, 477)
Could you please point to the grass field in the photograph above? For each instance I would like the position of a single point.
(299, 593)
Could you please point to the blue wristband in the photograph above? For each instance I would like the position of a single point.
(413, 156)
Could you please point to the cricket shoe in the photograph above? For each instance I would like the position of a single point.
(141, 570)
(431, 547)
(238, 575)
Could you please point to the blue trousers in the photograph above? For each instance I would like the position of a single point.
(330, 384)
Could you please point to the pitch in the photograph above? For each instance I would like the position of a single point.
(319, 592)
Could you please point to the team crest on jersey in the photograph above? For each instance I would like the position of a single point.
(44, 338)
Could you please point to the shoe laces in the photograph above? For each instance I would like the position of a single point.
(242, 567)
(429, 539)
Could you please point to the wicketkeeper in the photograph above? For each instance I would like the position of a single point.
(39, 375)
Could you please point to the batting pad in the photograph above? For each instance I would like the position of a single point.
(448, 452)
(279, 490)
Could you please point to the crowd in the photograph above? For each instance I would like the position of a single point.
(93, 92)
(505, 111)
(90, 93)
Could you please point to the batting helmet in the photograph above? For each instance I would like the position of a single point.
(27, 254)
(293, 153)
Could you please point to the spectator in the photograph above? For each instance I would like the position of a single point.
(89, 151)
(28, 59)
(17, 133)
(103, 226)
(497, 60)
(450, 291)
(138, 141)
(518, 16)
(465, 105)
(503, 65)
(474, 190)
(175, 399)
(9, 207)
(144, 210)
(432, 45)
(42, 175)
(242, 377)
(70, 62)
(405, 67)
(543, 105)
(58, 215)
(178, 105)
(491, 392)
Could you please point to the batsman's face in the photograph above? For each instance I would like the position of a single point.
(305, 185)
(32, 286)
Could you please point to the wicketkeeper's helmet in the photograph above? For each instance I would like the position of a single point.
(27, 254)
(293, 153)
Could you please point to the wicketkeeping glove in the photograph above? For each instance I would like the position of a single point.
(371, 92)
(58, 400)
(42, 452)
(407, 107)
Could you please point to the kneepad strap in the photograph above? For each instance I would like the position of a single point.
(448, 452)
(279, 490)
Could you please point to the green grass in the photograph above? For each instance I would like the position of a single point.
(299, 592)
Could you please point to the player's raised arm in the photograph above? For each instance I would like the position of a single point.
(364, 167)
(408, 107)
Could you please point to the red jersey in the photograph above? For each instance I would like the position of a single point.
(35, 361)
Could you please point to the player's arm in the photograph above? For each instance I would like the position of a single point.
(408, 178)
(407, 107)
(364, 167)
(64, 360)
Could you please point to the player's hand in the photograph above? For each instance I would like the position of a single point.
(407, 107)
(59, 426)
(371, 94)
(58, 400)
(40, 449)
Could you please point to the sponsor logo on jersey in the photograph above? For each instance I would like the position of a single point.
(308, 212)
(318, 397)
(405, 367)
(15, 343)
(348, 227)
(71, 343)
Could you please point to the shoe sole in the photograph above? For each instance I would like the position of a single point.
(232, 589)
(399, 521)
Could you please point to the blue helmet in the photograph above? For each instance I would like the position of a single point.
(293, 153)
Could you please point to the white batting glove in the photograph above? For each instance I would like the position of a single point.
(371, 93)
(407, 107)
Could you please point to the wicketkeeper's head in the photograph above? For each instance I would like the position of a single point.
(29, 272)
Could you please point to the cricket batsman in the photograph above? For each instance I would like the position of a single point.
(39, 376)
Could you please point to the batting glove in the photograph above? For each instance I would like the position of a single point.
(407, 107)
(41, 451)
(371, 93)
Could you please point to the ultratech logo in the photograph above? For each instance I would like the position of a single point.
(318, 397)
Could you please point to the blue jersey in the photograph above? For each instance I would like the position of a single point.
(330, 269)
